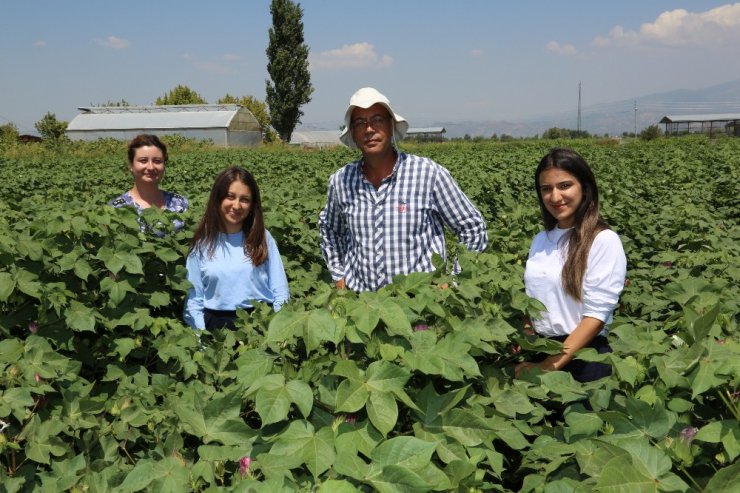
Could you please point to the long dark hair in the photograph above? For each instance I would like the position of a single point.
(206, 237)
(588, 221)
(145, 140)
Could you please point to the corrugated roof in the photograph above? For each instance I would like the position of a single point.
(315, 136)
(711, 117)
(159, 117)
(426, 130)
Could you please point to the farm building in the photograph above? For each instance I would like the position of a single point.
(729, 123)
(227, 125)
(426, 134)
(318, 139)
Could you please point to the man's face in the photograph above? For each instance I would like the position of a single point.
(372, 130)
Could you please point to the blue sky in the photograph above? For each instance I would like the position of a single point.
(436, 60)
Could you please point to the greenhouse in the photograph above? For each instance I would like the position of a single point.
(227, 125)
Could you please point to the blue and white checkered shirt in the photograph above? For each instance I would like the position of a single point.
(369, 235)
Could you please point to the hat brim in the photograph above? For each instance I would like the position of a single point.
(400, 125)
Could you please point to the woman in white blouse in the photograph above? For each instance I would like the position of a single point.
(576, 267)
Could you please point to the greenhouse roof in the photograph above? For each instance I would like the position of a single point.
(159, 117)
(715, 117)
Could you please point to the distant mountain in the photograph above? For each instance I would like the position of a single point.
(609, 118)
(613, 118)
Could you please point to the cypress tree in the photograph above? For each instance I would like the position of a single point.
(287, 56)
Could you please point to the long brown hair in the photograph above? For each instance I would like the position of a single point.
(206, 236)
(588, 220)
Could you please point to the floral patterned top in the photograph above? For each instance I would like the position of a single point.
(172, 202)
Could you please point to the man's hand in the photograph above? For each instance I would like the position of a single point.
(340, 284)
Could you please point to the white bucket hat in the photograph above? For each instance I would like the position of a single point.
(365, 98)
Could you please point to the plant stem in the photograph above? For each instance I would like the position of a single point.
(690, 478)
(728, 402)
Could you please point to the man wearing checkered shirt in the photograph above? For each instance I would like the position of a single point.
(385, 213)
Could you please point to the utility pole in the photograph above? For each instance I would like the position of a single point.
(579, 108)
(635, 118)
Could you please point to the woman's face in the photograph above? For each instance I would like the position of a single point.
(148, 165)
(562, 194)
(235, 206)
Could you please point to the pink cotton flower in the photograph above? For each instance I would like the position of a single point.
(688, 433)
(421, 327)
(350, 419)
(245, 463)
(37, 377)
(33, 327)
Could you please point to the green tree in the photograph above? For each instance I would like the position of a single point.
(181, 95)
(118, 104)
(51, 129)
(651, 133)
(8, 133)
(257, 108)
(287, 65)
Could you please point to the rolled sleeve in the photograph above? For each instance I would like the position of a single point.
(604, 280)
(458, 212)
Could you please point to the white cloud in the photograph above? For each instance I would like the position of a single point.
(358, 55)
(476, 53)
(115, 43)
(561, 49)
(720, 25)
(39, 42)
(231, 57)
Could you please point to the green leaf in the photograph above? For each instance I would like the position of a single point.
(315, 449)
(116, 290)
(17, 401)
(159, 298)
(382, 411)
(167, 254)
(167, 476)
(216, 421)
(384, 376)
(301, 394)
(11, 350)
(7, 285)
(365, 311)
(124, 345)
(726, 480)
(79, 317)
(587, 424)
(654, 421)
(337, 486)
(510, 403)
(398, 479)
(700, 327)
(28, 283)
(395, 319)
(286, 324)
(464, 426)
(351, 396)
(252, 365)
(83, 269)
(43, 440)
(320, 326)
(404, 451)
(620, 476)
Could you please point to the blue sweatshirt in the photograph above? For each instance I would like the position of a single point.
(228, 280)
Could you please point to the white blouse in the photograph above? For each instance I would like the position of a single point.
(602, 284)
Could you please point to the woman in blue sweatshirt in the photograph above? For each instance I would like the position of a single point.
(233, 259)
